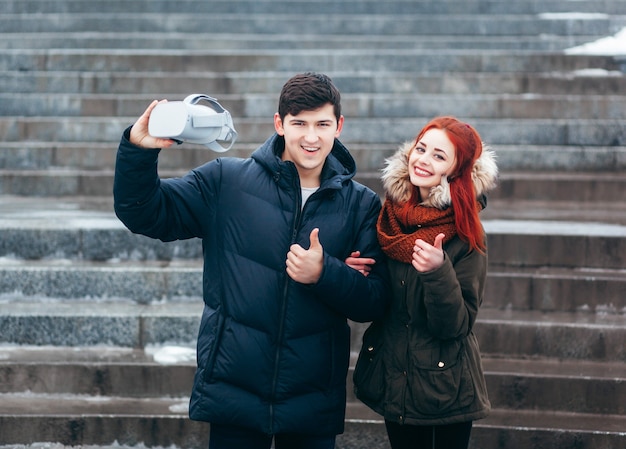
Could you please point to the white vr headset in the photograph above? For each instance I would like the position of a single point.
(187, 121)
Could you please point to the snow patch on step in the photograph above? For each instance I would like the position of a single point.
(608, 46)
(171, 355)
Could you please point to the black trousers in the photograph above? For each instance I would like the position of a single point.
(230, 437)
(449, 436)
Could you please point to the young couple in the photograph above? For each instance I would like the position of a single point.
(294, 247)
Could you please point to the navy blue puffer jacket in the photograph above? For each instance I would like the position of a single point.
(272, 353)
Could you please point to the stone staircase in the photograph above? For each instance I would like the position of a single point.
(97, 325)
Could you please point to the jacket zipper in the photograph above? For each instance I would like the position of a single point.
(283, 311)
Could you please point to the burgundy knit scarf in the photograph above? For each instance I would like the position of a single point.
(399, 225)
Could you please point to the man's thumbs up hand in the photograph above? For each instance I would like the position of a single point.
(305, 265)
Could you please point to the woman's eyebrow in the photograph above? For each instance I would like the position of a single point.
(435, 149)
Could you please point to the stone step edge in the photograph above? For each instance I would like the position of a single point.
(184, 356)
(552, 420)
(598, 175)
(604, 82)
(176, 281)
(531, 228)
(85, 408)
(279, 76)
(347, 98)
(192, 310)
(195, 265)
(82, 39)
(357, 146)
(388, 132)
(528, 7)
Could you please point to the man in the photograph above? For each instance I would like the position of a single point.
(274, 343)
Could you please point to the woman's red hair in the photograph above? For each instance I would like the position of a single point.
(468, 147)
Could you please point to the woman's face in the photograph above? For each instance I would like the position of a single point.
(433, 157)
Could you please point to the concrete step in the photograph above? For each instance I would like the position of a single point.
(543, 185)
(106, 371)
(361, 105)
(560, 159)
(139, 282)
(388, 131)
(62, 182)
(546, 289)
(573, 336)
(153, 422)
(502, 430)
(327, 6)
(209, 41)
(95, 420)
(581, 82)
(38, 228)
(47, 385)
(535, 334)
(318, 22)
(606, 187)
(510, 333)
(536, 430)
(431, 61)
(79, 230)
(556, 289)
(97, 323)
(167, 372)
(556, 385)
(539, 384)
(370, 158)
(566, 211)
(556, 244)
(550, 385)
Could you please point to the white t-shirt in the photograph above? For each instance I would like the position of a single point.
(306, 193)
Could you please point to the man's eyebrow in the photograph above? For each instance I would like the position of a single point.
(295, 119)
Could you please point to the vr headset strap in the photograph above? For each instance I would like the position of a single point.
(228, 135)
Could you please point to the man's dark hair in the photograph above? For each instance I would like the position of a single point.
(307, 92)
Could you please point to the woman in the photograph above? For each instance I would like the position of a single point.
(420, 366)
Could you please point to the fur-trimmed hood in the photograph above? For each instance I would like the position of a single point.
(398, 187)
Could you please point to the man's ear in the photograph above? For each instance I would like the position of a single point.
(278, 124)
(339, 126)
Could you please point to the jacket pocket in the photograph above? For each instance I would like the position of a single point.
(442, 380)
(369, 372)
(209, 337)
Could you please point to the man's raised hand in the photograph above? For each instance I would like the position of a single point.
(139, 135)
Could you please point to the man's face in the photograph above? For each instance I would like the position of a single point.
(309, 138)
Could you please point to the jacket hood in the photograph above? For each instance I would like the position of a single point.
(398, 187)
(338, 168)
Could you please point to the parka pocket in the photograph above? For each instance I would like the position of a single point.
(369, 372)
(209, 336)
(442, 380)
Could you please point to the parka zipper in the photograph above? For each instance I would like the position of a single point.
(283, 311)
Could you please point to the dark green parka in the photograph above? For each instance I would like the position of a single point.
(421, 364)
